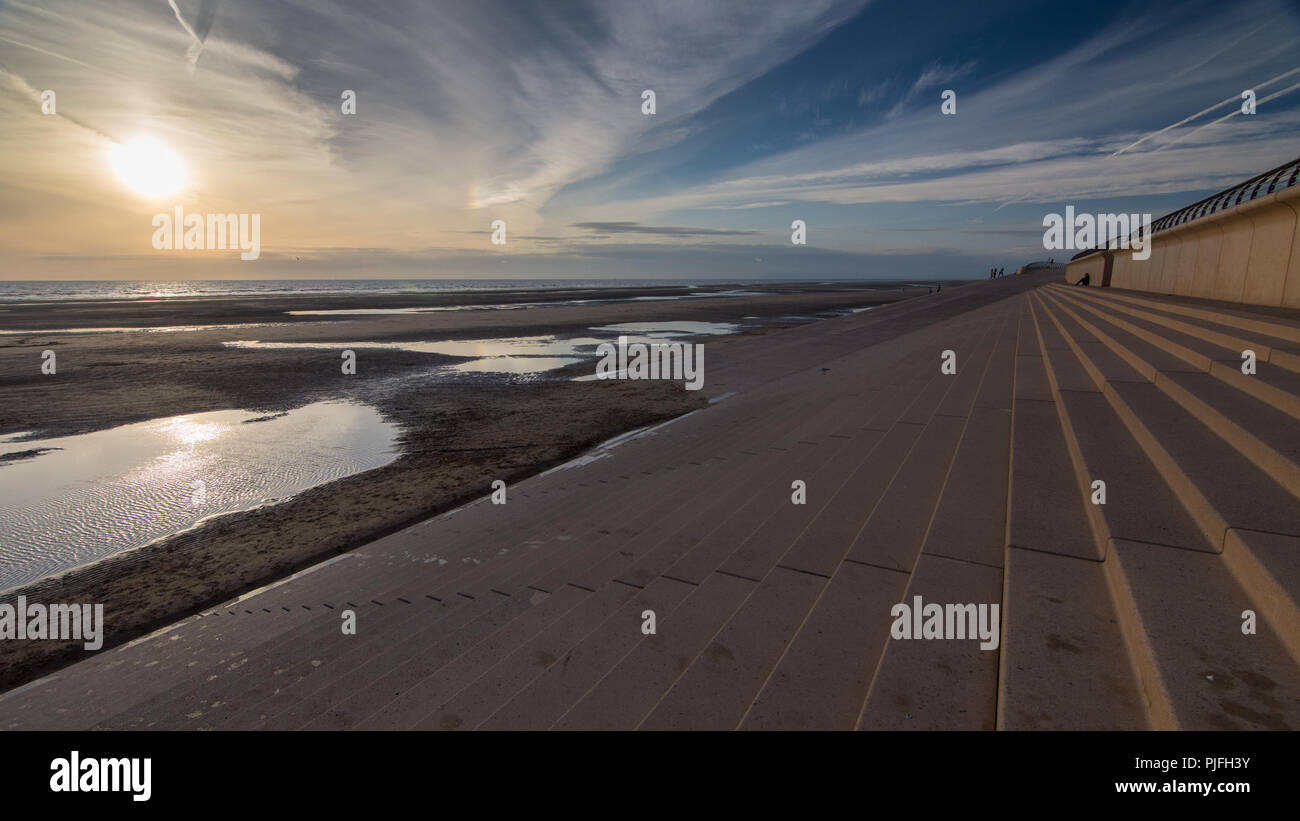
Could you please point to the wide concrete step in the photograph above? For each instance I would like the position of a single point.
(884, 488)
(373, 707)
(1221, 489)
(477, 699)
(950, 684)
(1275, 385)
(816, 536)
(545, 699)
(230, 696)
(403, 663)
(1280, 322)
(697, 509)
(1265, 436)
(637, 561)
(624, 695)
(1139, 504)
(1063, 662)
(1210, 674)
(935, 462)
(1178, 600)
(822, 677)
(1271, 332)
(957, 558)
(723, 677)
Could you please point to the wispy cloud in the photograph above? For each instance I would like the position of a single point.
(466, 113)
(531, 113)
(935, 75)
(660, 230)
(1049, 132)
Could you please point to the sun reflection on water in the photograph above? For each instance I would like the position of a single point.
(189, 432)
(88, 496)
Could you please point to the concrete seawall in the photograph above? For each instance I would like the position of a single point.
(1249, 253)
(1096, 466)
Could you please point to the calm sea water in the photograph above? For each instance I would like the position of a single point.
(31, 291)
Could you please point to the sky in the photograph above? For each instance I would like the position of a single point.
(825, 111)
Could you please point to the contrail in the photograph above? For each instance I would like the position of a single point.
(199, 31)
(50, 53)
(1232, 113)
(1008, 202)
(23, 88)
(1225, 49)
(1201, 113)
(181, 20)
(1175, 125)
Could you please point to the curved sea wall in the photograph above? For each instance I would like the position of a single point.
(1249, 253)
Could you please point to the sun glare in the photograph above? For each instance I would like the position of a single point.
(147, 166)
(189, 432)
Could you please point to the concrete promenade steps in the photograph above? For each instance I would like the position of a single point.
(973, 487)
(1208, 528)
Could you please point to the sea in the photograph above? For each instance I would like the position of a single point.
(63, 290)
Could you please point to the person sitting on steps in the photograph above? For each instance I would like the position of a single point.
(1084, 280)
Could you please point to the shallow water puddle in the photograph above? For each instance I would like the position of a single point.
(514, 364)
(416, 310)
(520, 354)
(83, 498)
(681, 328)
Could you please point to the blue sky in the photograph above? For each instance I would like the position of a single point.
(827, 111)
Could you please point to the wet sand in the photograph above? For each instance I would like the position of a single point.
(459, 433)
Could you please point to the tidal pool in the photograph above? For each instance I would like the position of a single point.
(520, 354)
(666, 329)
(71, 500)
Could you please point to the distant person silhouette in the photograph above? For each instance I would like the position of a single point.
(1084, 280)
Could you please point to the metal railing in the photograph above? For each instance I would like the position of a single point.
(1284, 176)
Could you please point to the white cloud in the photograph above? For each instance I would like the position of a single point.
(462, 110)
(1043, 135)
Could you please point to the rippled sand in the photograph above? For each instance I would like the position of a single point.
(82, 498)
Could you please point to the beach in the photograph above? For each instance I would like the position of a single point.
(459, 430)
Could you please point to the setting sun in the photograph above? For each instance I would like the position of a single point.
(147, 166)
